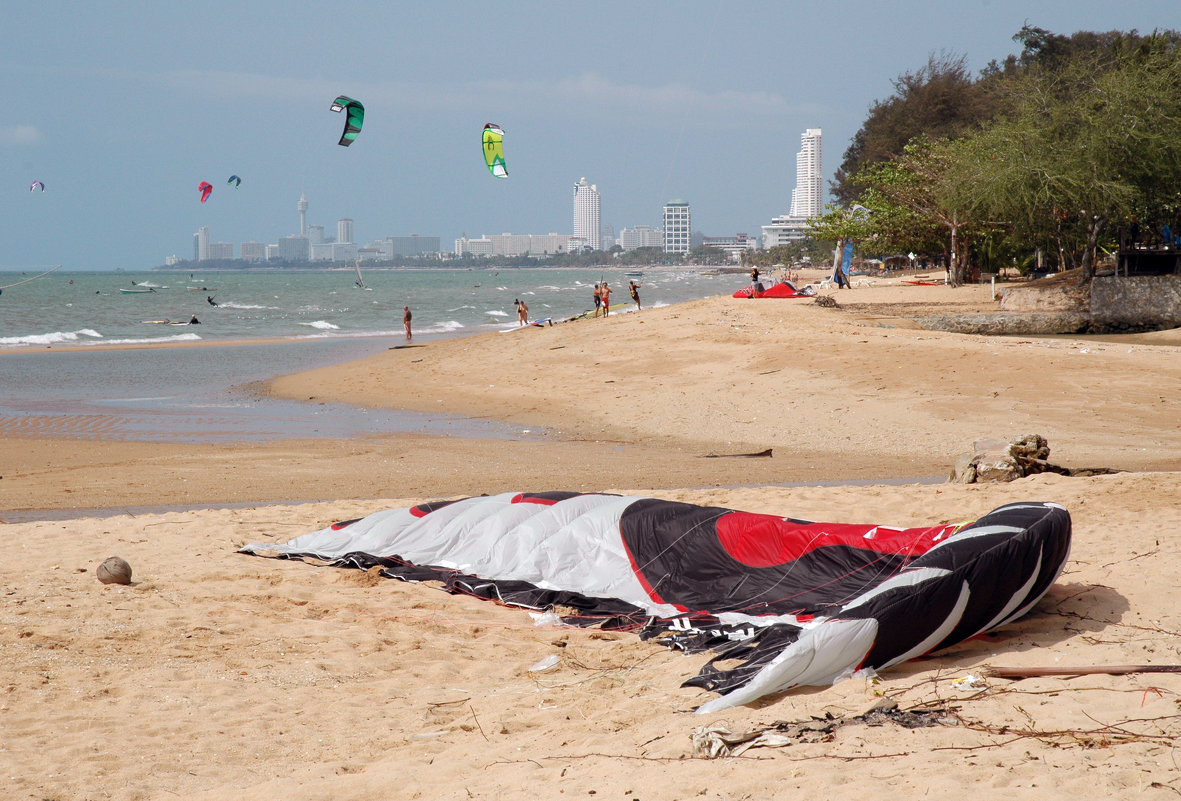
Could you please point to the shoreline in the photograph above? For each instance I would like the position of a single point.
(855, 393)
(221, 675)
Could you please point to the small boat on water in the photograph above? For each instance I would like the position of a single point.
(136, 290)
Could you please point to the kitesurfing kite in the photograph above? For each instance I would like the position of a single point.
(354, 118)
(36, 185)
(784, 602)
(784, 289)
(206, 189)
(34, 278)
(235, 180)
(494, 150)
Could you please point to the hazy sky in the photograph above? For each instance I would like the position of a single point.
(122, 108)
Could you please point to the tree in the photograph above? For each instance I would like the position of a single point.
(1091, 142)
(925, 188)
(938, 100)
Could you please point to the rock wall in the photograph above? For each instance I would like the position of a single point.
(1136, 303)
(1107, 305)
(1060, 297)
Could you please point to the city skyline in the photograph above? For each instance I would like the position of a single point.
(129, 107)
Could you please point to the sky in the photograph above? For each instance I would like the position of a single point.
(122, 108)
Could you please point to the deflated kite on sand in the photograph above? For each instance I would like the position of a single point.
(791, 602)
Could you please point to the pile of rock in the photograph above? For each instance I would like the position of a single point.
(994, 460)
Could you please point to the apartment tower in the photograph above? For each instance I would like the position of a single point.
(807, 197)
(678, 225)
(587, 215)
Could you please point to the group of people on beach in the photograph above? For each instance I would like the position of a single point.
(602, 296)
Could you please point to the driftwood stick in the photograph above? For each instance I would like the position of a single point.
(761, 454)
(1082, 670)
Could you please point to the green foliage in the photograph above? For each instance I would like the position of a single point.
(938, 100)
(1059, 143)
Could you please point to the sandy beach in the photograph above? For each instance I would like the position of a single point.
(221, 675)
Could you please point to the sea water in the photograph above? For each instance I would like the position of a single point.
(64, 342)
(65, 308)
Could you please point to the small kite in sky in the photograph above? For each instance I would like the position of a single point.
(494, 150)
(36, 185)
(354, 118)
(235, 180)
(206, 189)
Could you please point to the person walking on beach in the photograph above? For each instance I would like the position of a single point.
(605, 298)
(598, 299)
(406, 322)
(634, 289)
(841, 279)
(522, 313)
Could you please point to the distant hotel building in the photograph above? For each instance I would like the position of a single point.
(513, 245)
(732, 246)
(312, 245)
(292, 248)
(413, 245)
(641, 236)
(587, 215)
(807, 199)
(678, 227)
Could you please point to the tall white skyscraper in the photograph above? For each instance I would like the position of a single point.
(201, 244)
(344, 230)
(303, 215)
(678, 226)
(587, 215)
(807, 197)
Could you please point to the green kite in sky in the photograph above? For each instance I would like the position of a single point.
(354, 118)
(494, 150)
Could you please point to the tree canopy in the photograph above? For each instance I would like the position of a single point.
(1048, 151)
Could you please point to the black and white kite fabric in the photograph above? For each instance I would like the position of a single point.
(792, 602)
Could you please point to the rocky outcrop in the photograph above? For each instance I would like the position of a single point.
(995, 460)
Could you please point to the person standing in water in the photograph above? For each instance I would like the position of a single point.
(406, 322)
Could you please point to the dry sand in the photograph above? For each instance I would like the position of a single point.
(218, 675)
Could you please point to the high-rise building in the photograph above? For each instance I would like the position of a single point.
(293, 248)
(587, 214)
(678, 227)
(807, 197)
(221, 251)
(201, 244)
(303, 215)
(344, 230)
